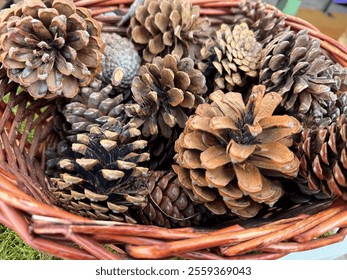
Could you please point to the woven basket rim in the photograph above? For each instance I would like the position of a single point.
(31, 213)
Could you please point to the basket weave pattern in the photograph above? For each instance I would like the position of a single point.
(27, 207)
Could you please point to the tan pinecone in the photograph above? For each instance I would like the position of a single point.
(229, 152)
(50, 47)
(94, 170)
(164, 93)
(294, 66)
(168, 204)
(169, 26)
(231, 57)
(93, 106)
(264, 24)
(323, 156)
(121, 61)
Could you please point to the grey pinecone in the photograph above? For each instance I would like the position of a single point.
(93, 106)
(121, 61)
(294, 65)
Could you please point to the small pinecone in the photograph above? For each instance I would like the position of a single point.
(323, 156)
(294, 66)
(229, 152)
(50, 47)
(121, 62)
(93, 107)
(169, 26)
(264, 24)
(231, 57)
(340, 74)
(165, 92)
(168, 204)
(95, 169)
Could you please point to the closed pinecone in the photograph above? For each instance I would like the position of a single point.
(231, 57)
(165, 92)
(95, 169)
(229, 152)
(93, 106)
(168, 204)
(50, 47)
(121, 61)
(264, 24)
(169, 26)
(294, 66)
(323, 156)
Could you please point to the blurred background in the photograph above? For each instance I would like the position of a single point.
(329, 16)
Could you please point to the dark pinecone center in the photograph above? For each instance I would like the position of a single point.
(243, 135)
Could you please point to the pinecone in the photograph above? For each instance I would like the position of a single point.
(294, 66)
(165, 92)
(168, 204)
(323, 156)
(93, 107)
(50, 47)
(231, 56)
(265, 25)
(120, 62)
(170, 26)
(340, 75)
(95, 169)
(229, 152)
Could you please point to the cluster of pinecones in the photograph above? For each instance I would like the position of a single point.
(184, 121)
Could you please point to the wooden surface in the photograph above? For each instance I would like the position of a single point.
(332, 26)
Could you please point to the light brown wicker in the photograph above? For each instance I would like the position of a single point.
(27, 207)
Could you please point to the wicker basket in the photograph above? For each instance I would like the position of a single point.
(27, 207)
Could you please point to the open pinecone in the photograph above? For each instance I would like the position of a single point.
(94, 170)
(121, 62)
(265, 24)
(93, 106)
(168, 26)
(231, 57)
(323, 156)
(50, 47)
(168, 204)
(229, 152)
(294, 66)
(165, 92)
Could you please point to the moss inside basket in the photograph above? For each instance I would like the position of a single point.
(12, 247)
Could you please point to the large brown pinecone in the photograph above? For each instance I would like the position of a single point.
(168, 203)
(294, 66)
(94, 171)
(265, 24)
(93, 106)
(323, 156)
(229, 152)
(50, 47)
(165, 92)
(121, 61)
(231, 57)
(169, 26)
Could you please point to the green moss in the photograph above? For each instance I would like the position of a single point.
(327, 234)
(12, 247)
